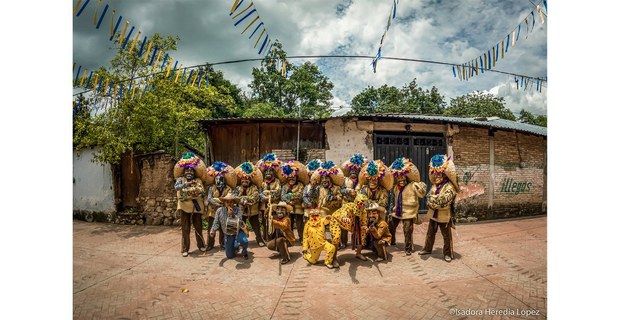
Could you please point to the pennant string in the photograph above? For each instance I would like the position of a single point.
(102, 15)
(82, 8)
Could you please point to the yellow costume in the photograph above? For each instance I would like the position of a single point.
(314, 239)
(350, 211)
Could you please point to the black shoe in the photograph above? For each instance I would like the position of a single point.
(245, 256)
(423, 252)
(209, 248)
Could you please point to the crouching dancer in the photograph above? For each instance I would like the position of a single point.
(229, 220)
(314, 239)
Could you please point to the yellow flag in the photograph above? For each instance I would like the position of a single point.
(178, 73)
(540, 14)
(493, 56)
(112, 23)
(514, 39)
(120, 41)
(83, 77)
(95, 82)
(284, 68)
(133, 91)
(476, 68)
(157, 59)
(232, 9)
(96, 10)
(134, 42)
(148, 49)
(261, 35)
(246, 28)
(77, 5)
(502, 49)
(169, 67)
(485, 62)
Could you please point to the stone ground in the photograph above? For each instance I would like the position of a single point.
(137, 272)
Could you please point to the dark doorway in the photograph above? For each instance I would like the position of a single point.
(418, 147)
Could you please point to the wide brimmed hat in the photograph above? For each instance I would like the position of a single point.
(375, 206)
(270, 161)
(356, 162)
(221, 168)
(377, 168)
(442, 163)
(328, 168)
(190, 160)
(289, 208)
(404, 167)
(228, 197)
(294, 168)
(249, 171)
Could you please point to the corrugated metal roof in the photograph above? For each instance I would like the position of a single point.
(490, 122)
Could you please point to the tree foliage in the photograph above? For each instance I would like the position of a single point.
(478, 104)
(161, 118)
(528, 117)
(389, 99)
(305, 93)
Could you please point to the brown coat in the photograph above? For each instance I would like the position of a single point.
(284, 225)
(381, 232)
(411, 204)
(251, 196)
(439, 205)
(185, 197)
(328, 207)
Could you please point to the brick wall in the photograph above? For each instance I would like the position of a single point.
(513, 186)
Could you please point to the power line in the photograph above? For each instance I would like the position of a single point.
(330, 57)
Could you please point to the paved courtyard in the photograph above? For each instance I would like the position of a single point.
(137, 272)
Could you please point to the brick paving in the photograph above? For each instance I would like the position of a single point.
(137, 272)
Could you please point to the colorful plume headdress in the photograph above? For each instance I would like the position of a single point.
(313, 165)
(439, 163)
(189, 160)
(401, 167)
(218, 168)
(291, 168)
(375, 168)
(356, 162)
(327, 168)
(270, 160)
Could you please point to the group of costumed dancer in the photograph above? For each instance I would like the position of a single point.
(362, 201)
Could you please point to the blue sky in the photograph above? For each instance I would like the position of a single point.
(446, 31)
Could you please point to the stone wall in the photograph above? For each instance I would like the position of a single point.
(157, 198)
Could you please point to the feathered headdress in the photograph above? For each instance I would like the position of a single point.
(357, 161)
(294, 168)
(190, 160)
(313, 165)
(330, 169)
(443, 164)
(221, 168)
(377, 168)
(404, 167)
(247, 170)
(270, 160)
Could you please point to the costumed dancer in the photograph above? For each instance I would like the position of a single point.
(281, 236)
(351, 169)
(247, 192)
(229, 220)
(442, 174)
(310, 196)
(294, 178)
(351, 217)
(189, 173)
(221, 179)
(314, 239)
(404, 203)
(269, 192)
(379, 236)
(376, 180)
(330, 178)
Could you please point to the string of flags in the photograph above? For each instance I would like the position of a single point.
(148, 52)
(391, 16)
(488, 60)
(239, 15)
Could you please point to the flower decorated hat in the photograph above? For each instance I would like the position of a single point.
(312, 166)
(330, 169)
(377, 168)
(190, 160)
(356, 162)
(404, 167)
(271, 161)
(219, 168)
(442, 163)
(247, 170)
(294, 168)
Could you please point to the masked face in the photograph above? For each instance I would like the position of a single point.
(189, 173)
(268, 174)
(292, 180)
(373, 182)
(373, 216)
(245, 182)
(353, 174)
(280, 212)
(326, 182)
(219, 182)
(228, 204)
(436, 177)
(402, 180)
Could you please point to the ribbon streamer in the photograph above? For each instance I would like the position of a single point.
(128, 36)
(82, 9)
(102, 15)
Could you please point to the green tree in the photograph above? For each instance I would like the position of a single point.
(161, 118)
(528, 117)
(389, 99)
(478, 104)
(306, 93)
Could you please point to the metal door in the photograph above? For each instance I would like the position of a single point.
(418, 147)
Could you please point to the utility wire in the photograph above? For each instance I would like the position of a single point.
(542, 79)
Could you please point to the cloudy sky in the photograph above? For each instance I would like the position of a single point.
(444, 31)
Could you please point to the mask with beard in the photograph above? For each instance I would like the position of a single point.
(372, 221)
(219, 182)
(189, 174)
(268, 174)
(245, 183)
